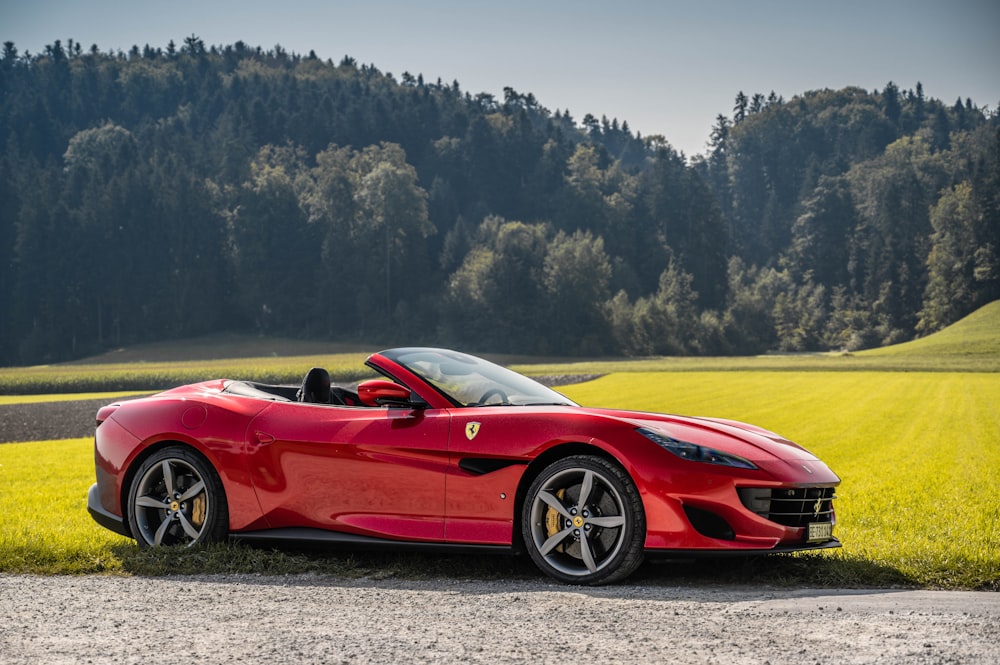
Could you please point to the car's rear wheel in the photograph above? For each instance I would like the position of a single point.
(583, 521)
(176, 498)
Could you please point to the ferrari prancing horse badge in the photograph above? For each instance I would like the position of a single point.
(471, 430)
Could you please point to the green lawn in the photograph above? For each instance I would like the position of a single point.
(67, 397)
(43, 500)
(918, 453)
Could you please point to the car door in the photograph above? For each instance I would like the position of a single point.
(364, 470)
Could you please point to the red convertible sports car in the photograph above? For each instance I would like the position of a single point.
(451, 451)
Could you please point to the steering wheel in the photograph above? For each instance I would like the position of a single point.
(504, 400)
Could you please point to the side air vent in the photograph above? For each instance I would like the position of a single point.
(709, 524)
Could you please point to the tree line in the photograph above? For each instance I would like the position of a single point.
(166, 193)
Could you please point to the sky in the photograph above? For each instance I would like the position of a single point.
(667, 67)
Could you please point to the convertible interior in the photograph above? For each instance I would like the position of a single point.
(316, 388)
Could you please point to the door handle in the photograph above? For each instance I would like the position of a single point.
(263, 438)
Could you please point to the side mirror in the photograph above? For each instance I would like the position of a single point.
(379, 392)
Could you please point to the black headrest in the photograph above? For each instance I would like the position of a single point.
(315, 387)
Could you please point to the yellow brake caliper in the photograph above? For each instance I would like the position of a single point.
(198, 505)
(553, 519)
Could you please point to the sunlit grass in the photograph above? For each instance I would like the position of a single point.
(975, 336)
(45, 526)
(919, 454)
(66, 397)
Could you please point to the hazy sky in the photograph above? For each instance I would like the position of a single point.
(666, 67)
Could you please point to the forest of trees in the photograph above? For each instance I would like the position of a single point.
(179, 191)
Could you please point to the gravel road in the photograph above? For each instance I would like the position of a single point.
(312, 619)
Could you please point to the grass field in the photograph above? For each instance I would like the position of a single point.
(66, 397)
(43, 498)
(147, 376)
(918, 452)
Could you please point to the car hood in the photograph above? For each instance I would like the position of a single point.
(748, 441)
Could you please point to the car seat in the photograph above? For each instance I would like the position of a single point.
(316, 388)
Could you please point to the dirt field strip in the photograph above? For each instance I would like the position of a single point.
(55, 419)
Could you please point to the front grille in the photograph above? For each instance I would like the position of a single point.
(791, 506)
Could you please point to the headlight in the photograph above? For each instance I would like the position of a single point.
(694, 452)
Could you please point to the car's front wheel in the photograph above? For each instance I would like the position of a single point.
(583, 521)
(176, 498)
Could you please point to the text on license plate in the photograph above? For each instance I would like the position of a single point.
(817, 532)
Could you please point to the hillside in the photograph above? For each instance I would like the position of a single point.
(978, 334)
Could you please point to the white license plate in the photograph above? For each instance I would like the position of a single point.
(818, 532)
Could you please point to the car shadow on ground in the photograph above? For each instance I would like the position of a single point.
(814, 570)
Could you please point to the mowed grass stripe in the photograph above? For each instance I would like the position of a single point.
(919, 453)
(152, 376)
(67, 397)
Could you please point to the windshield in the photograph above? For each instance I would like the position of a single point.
(471, 381)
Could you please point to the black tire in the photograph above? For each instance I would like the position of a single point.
(177, 498)
(583, 521)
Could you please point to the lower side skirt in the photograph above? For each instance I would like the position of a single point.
(300, 536)
(304, 536)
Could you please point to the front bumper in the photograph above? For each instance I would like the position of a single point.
(665, 554)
